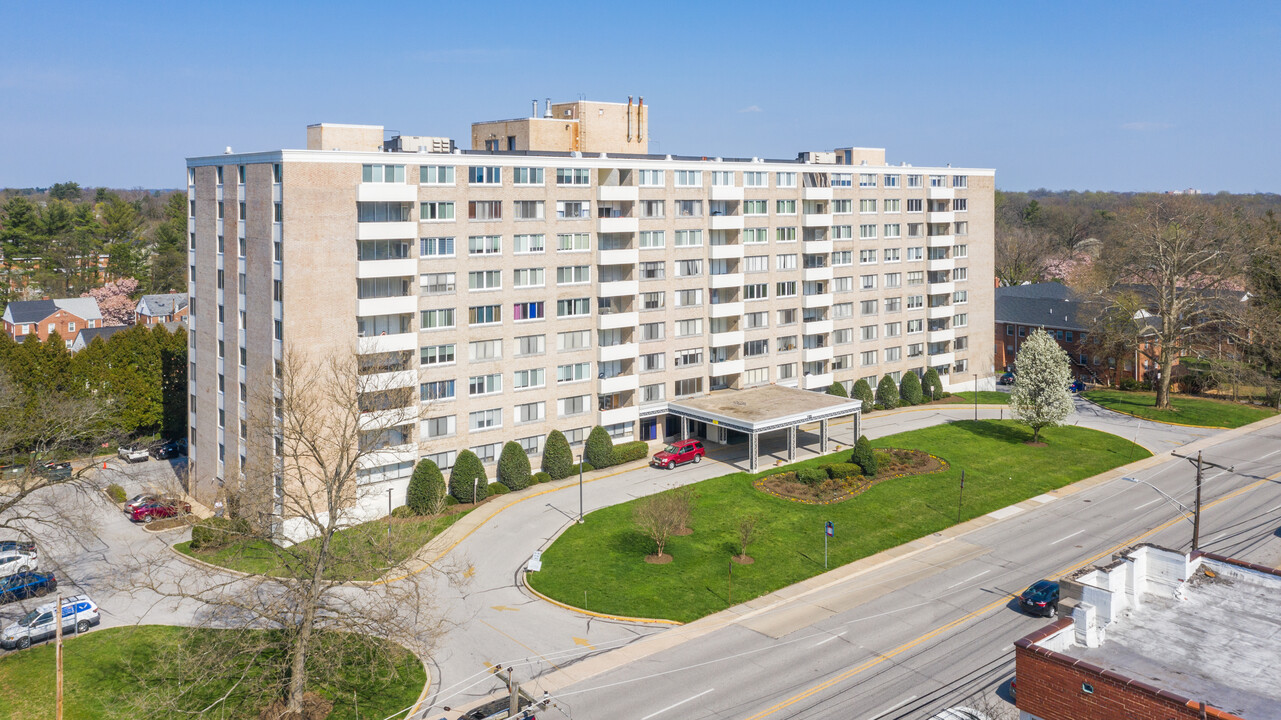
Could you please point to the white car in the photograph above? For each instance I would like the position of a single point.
(79, 613)
(132, 454)
(13, 562)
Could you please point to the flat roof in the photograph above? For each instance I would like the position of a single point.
(764, 408)
(1220, 643)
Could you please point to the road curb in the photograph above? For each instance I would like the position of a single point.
(210, 566)
(1166, 422)
(603, 616)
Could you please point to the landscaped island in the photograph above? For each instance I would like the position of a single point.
(1187, 410)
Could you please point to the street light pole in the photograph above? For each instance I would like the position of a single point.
(580, 488)
(976, 396)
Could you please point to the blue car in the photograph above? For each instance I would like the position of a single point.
(26, 584)
(1076, 386)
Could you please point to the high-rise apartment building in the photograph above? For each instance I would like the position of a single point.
(561, 284)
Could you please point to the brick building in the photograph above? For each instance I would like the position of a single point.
(153, 309)
(66, 316)
(1157, 635)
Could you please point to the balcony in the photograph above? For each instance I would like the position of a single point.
(940, 241)
(726, 280)
(939, 193)
(942, 359)
(725, 309)
(940, 217)
(726, 339)
(725, 192)
(942, 264)
(388, 455)
(406, 230)
(386, 192)
(617, 224)
(388, 343)
(817, 382)
(817, 273)
(940, 312)
(389, 418)
(943, 288)
(618, 288)
(725, 252)
(816, 220)
(389, 380)
(616, 321)
(818, 246)
(621, 256)
(622, 351)
(816, 301)
(817, 354)
(402, 267)
(619, 415)
(816, 193)
(728, 367)
(617, 193)
(817, 327)
(940, 335)
(618, 383)
(369, 307)
(725, 222)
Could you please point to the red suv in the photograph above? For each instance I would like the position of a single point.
(156, 509)
(679, 453)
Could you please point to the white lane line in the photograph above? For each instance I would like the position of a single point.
(891, 612)
(828, 640)
(976, 577)
(887, 711)
(1147, 504)
(1056, 542)
(1272, 509)
(682, 702)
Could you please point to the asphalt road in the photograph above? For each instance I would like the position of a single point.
(936, 630)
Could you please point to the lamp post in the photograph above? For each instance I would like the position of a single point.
(1182, 508)
(580, 488)
(976, 396)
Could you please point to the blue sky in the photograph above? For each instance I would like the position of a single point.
(1074, 95)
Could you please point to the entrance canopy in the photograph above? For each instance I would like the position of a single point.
(764, 409)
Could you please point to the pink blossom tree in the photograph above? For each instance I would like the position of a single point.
(114, 301)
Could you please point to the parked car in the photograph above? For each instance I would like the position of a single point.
(171, 449)
(159, 508)
(679, 453)
(55, 470)
(1041, 598)
(17, 561)
(139, 499)
(1006, 379)
(133, 453)
(1076, 386)
(22, 546)
(79, 613)
(26, 584)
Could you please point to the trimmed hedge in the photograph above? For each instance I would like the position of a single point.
(498, 488)
(863, 391)
(404, 511)
(841, 471)
(426, 488)
(931, 385)
(910, 389)
(558, 458)
(887, 393)
(627, 452)
(812, 476)
(864, 457)
(573, 469)
(513, 466)
(468, 474)
(117, 493)
(542, 477)
(837, 389)
(215, 532)
(599, 451)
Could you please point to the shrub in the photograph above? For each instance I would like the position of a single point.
(878, 406)
(468, 474)
(811, 476)
(863, 391)
(864, 457)
(215, 532)
(887, 393)
(910, 389)
(450, 500)
(542, 477)
(837, 389)
(498, 488)
(931, 385)
(841, 471)
(513, 467)
(599, 451)
(117, 493)
(1129, 384)
(557, 457)
(587, 467)
(627, 452)
(426, 488)
(404, 511)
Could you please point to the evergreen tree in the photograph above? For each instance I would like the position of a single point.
(467, 474)
(910, 389)
(557, 456)
(863, 391)
(426, 488)
(599, 452)
(1040, 397)
(864, 457)
(837, 389)
(887, 393)
(513, 467)
(931, 385)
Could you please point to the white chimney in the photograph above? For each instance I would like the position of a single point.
(548, 111)
(227, 151)
(534, 113)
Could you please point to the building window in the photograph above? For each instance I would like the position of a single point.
(438, 355)
(573, 176)
(526, 379)
(484, 384)
(573, 242)
(435, 391)
(438, 427)
(438, 319)
(652, 178)
(437, 283)
(527, 175)
(372, 174)
(484, 244)
(484, 175)
(528, 278)
(689, 178)
(528, 311)
(485, 419)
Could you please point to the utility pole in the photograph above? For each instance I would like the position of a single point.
(976, 397)
(57, 712)
(1196, 513)
(513, 690)
(960, 497)
(580, 488)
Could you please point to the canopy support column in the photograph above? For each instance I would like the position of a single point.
(753, 448)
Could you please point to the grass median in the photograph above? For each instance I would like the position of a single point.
(1187, 410)
(102, 682)
(986, 397)
(600, 565)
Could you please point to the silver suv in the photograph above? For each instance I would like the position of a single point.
(79, 613)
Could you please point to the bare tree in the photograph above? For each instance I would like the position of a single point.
(747, 527)
(303, 482)
(659, 517)
(1172, 281)
(1023, 254)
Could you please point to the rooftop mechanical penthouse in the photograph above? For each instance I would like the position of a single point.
(556, 276)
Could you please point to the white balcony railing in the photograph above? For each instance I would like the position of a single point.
(617, 225)
(726, 339)
(400, 267)
(626, 256)
(618, 383)
(617, 193)
(615, 321)
(725, 309)
(386, 192)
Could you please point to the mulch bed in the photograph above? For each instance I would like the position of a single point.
(170, 523)
(658, 559)
(895, 463)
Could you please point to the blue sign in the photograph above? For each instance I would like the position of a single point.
(830, 529)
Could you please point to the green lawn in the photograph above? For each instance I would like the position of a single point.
(986, 397)
(101, 678)
(1187, 410)
(604, 557)
(359, 543)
